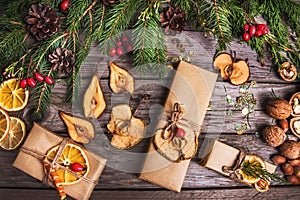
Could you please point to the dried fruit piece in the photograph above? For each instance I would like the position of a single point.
(294, 102)
(262, 185)
(287, 72)
(273, 135)
(290, 149)
(279, 108)
(4, 124)
(71, 154)
(93, 101)
(295, 126)
(127, 130)
(223, 63)
(176, 148)
(16, 134)
(237, 72)
(240, 73)
(80, 130)
(12, 96)
(252, 159)
(120, 79)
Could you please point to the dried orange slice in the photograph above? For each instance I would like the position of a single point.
(4, 124)
(262, 185)
(15, 135)
(71, 154)
(252, 160)
(12, 96)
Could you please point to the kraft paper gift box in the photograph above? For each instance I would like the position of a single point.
(192, 87)
(215, 154)
(40, 141)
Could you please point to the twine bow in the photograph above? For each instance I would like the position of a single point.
(233, 171)
(177, 118)
(54, 165)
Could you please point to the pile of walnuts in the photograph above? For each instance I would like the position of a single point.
(275, 136)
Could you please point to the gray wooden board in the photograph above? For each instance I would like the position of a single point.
(224, 193)
(112, 178)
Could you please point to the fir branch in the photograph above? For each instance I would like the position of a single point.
(185, 5)
(149, 54)
(255, 170)
(118, 19)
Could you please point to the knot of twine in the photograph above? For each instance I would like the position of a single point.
(54, 165)
(234, 171)
(177, 118)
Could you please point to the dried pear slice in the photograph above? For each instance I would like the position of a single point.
(121, 81)
(127, 130)
(93, 101)
(177, 149)
(80, 130)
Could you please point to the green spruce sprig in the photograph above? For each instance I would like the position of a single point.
(149, 55)
(255, 170)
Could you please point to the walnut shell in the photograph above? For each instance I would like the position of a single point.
(294, 102)
(295, 126)
(279, 108)
(290, 149)
(273, 135)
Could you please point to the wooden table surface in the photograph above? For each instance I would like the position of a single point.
(116, 183)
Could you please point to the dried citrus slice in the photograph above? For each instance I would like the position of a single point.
(262, 185)
(12, 96)
(4, 124)
(71, 154)
(15, 135)
(252, 160)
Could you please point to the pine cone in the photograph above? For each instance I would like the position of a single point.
(172, 18)
(43, 21)
(109, 2)
(62, 59)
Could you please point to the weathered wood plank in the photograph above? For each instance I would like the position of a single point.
(116, 176)
(226, 193)
(204, 49)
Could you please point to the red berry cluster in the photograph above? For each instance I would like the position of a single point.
(122, 46)
(258, 30)
(64, 5)
(31, 81)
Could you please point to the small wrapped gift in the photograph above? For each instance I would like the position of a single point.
(46, 157)
(229, 161)
(175, 141)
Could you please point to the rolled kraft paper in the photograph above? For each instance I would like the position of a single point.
(40, 141)
(192, 87)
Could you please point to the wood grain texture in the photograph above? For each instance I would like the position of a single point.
(114, 175)
(225, 193)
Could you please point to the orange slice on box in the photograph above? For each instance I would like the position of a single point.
(12, 96)
(4, 124)
(252, 159)
(15, 135)
(71, 154)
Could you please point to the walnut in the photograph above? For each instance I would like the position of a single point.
(273, 135)
(279, 108)
(290, 149)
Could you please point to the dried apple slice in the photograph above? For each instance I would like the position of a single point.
(80, 130)
(120, 79)
(223, 62)
(127, 130)
(93, 100)
(240, 73)
(176, 148)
